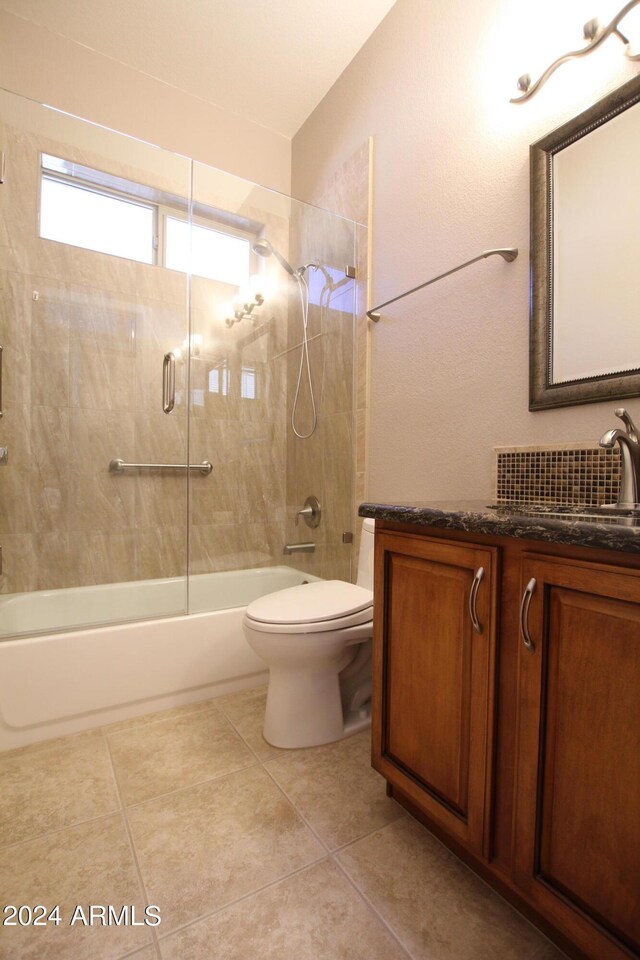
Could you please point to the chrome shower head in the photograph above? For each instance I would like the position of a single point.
(264, 248)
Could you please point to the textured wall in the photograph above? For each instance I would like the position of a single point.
(450, 365)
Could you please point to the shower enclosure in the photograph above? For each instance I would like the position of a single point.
(151, 355)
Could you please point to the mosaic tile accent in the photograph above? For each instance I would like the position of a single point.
(583, 475)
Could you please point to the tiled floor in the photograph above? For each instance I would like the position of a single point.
(249, 851)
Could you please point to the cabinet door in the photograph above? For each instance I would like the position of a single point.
(433, 678)
(577, 803)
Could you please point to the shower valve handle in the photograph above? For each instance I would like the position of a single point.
(311, 512)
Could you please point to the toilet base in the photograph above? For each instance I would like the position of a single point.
(308, 712)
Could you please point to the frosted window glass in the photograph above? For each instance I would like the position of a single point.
(215, 255)
(96, 221)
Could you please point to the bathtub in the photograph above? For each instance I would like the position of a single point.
(79, 677)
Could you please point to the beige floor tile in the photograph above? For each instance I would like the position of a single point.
(314, 915)
(86, 864)
(437, 907)
(201, 848)
(335, 789)
(171, 713)
(246, 712)
(185, 749)
(51, 785)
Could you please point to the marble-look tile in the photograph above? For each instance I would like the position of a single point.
(107, 558)
(54, 784)
(434, 904)
(161, 552)
(161, 496)
(19, 567)
(101, 501)
(314, 915)
(87, 864)
(245, 710)
(204, 847)
(335, 789)
(100, 380)
(157, 758)
(98, 436)
(15, 335)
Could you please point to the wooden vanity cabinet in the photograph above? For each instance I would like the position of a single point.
(577, 787)
(518, 745)
(433, 678)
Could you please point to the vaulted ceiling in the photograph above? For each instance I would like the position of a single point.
(271, 61)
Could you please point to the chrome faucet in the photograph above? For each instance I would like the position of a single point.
(630, 453)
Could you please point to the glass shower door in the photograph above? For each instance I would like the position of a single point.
(88, 312)
(276, 277)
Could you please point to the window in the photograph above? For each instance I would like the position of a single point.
(216, 255)
(220, 379)
(102, 212)
(248, 383)
(84, 217)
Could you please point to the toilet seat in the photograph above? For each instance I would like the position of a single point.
(311, 608)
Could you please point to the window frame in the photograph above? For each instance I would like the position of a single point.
(160, 209)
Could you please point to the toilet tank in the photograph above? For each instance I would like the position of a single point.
(365, 557)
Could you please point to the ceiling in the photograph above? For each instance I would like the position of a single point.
(271, 61)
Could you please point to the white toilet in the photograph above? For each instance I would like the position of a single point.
(316, 640)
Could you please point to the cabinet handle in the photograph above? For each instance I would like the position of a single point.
(168, 382)
(524, 615)
(473, 598)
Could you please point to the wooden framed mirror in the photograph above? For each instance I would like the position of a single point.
(585, 256)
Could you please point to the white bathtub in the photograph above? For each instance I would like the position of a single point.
(52, 684)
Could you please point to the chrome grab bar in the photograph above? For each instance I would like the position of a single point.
(119, 466)
(168, 382)
(473, 600)
(299, 548)
(524, 615)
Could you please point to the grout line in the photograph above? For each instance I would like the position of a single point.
(145, 898)
(297, 812)
(363, 896)
(150, 719)
(245, 896)
(68, 826)
(192, 786)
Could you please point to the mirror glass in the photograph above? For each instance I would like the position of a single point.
(585, 322)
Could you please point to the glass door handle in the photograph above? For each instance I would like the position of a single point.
(168, 382)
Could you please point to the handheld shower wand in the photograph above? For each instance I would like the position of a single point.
(264, 248)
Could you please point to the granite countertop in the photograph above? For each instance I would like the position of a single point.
(552, 524)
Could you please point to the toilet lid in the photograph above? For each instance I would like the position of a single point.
(314, 602)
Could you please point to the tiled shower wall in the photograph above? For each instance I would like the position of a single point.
(84, 335)
(331, 464)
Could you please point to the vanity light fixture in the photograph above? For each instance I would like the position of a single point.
(595, 34)
(242, 311)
